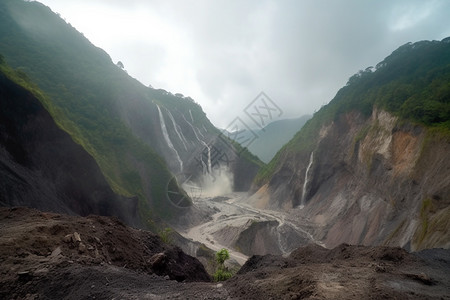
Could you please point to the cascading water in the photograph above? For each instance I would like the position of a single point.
(177, 129)
(279, 235)
(199, 132)
(204, 167)
(209, 155)
(196, 130)
(193, 129)
(167, 138)
(204, 128)
(305, 184)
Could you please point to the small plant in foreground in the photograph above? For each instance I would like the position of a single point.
(222, 272)
(222, 275)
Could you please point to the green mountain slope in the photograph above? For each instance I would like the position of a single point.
(372, 166)
(274, 136)
(412, 83)
(139, 136)
(83, 87)
(41, 166)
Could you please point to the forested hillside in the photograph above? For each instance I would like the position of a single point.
(412, 83)
(119, 121)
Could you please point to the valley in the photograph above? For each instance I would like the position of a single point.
(56, 256)
(112, 189)
(231, 221)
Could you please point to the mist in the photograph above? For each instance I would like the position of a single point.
(224, 53)
(218, 182)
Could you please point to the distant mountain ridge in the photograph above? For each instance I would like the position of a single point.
(272, 137)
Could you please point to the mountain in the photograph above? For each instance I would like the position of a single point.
(41, 166)
(272, 137)
(139, 136)
(372, 166)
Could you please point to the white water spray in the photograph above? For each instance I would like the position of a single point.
(305, 184)
(177, 130)
(167, 138)
(217, 183)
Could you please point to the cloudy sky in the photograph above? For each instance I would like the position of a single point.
(223, 53)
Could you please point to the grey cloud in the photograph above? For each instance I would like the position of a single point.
(299, 52)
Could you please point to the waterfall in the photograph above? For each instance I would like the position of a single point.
(193, 129)
(204, 167)
(305, 184)
(167, 138)
(177, 129)
(192, 118)
(199, 132)
(209, 156)
(204, 128)
(278, 232)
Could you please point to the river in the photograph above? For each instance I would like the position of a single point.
(232, 211)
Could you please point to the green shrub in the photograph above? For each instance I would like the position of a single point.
(221, 256)
(222, 272)
(222, 275)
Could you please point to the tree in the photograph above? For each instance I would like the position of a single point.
(222, 272)
(222, 256)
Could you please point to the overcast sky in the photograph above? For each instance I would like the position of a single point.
(223, 53)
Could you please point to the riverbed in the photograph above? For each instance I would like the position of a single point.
(231, 225)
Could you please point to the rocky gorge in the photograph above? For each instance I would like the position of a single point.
(114, 190)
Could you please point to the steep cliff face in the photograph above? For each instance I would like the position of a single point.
(373, 167)
(42, 167)
(371, 181)
(388, 186)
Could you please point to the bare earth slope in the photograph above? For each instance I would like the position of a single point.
(41, 257)
(59, 256)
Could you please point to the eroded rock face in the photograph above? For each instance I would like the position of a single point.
(42, 167)
(372, 181)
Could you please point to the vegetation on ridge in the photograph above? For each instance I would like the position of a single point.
(412, 83)
(82, 88)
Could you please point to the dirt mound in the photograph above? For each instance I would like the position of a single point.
(311, 253)
(258, 262)
(345, 272)
(314, 253)
(36, 245)
(51, 256)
